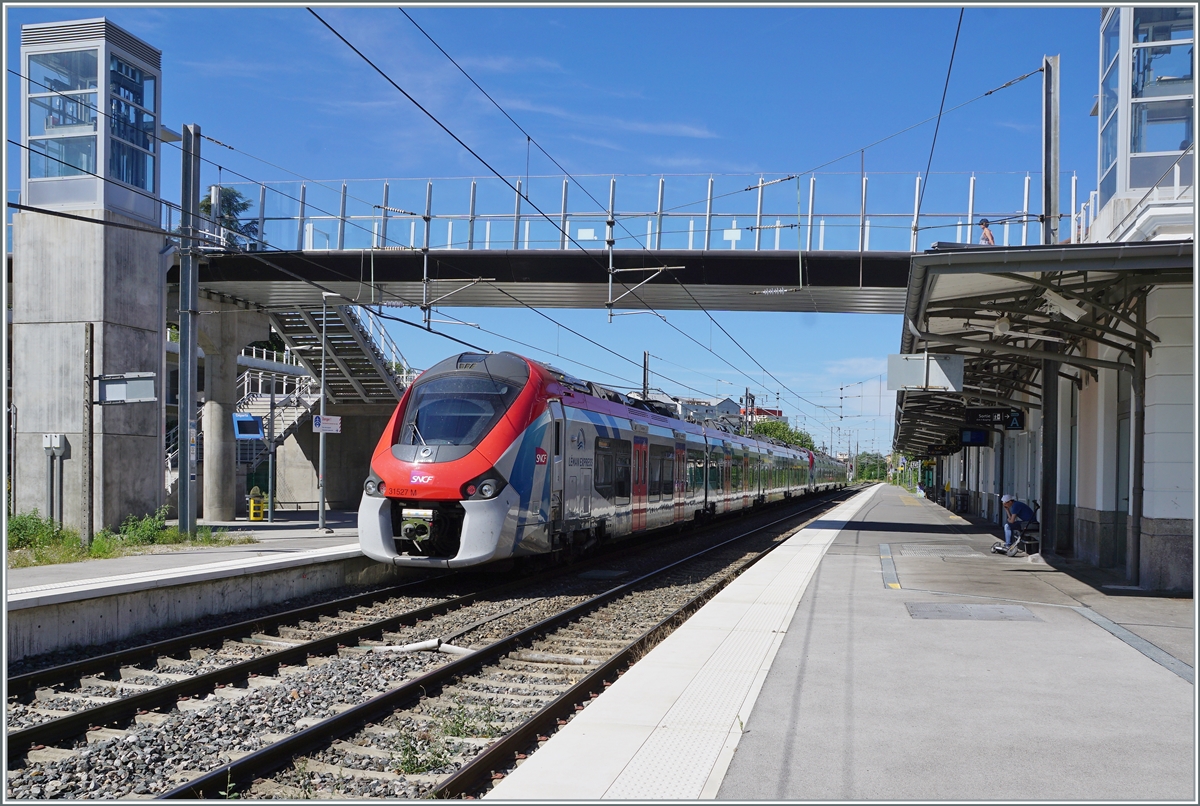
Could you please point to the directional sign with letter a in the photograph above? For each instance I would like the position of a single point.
(1015, 420)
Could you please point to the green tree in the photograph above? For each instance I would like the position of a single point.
(232, 205)
(777, 429)
(870, 465)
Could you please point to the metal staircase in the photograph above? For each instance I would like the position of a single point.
(362, 363)
(291, 411)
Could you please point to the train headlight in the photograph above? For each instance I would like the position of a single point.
(485, 486)
(375, 486)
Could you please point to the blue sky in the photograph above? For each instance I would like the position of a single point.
(648, 91)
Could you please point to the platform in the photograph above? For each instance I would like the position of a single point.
(884, 654)
(52, 607)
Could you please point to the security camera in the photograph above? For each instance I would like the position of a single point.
(1065, 306)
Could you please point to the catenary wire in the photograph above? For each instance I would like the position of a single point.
(76, 99)
(530, 139)
(937, 126)
(485, 163)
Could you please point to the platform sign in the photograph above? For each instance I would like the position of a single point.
(942, 450)
(986, 416)
(925, 372)
(327, 424)
(247, 426)
(130, 387)
(980, 437)
(1007, 418)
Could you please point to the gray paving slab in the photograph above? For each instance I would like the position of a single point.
(865, 702)
(291, 533)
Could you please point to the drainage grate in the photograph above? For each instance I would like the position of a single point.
(926, 550)
(969, 612)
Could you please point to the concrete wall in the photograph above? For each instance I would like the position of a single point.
(66, 273)
(347, 458)
(1167, 528)
(88, 622)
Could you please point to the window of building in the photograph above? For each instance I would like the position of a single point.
(131, 84)
(62, 72)
(62, 114)
(1108, 94)
(132, 125)
(1110, 40)
(1162, 71)
(1161, 126)
(1161, 24)
(57, 157)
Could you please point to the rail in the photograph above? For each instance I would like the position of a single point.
(470, 778)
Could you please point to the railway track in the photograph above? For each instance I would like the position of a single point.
(384, 697)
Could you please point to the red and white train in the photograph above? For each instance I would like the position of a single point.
(491, 456)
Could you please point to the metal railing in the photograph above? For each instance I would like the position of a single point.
(377, 335)
(839, 211)
(263, 354)
(1175, 195)
(254, 382)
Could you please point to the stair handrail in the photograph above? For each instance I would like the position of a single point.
(378, 336)
(262, 353)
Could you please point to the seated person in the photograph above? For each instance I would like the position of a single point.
(1015, 513)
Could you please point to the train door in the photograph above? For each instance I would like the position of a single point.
(641, 461)
(748, 479)
(556, 467)
(680, 485)
(727, 478)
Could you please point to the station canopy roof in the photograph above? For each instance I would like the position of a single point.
(1005, 309)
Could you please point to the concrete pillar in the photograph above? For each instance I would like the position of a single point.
(66, 273)
(223, 334)
(1169, 478)
(220, 449)
(1064, 512)
(1049, 470)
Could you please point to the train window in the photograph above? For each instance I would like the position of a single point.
(454, 410)
(612, 479)
(621, 485)
(662, 471)
(695, 470)
(735, 474)
(558, 439)
(714, 470)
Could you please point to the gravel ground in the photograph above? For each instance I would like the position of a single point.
(410, 749)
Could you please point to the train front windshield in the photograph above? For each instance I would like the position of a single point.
(455, 410)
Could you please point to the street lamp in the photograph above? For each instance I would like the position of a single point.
(325, 295)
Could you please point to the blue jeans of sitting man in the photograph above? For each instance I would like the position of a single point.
(1008, 531)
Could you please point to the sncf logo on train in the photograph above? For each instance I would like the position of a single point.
(419, 479)
(540, 457)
